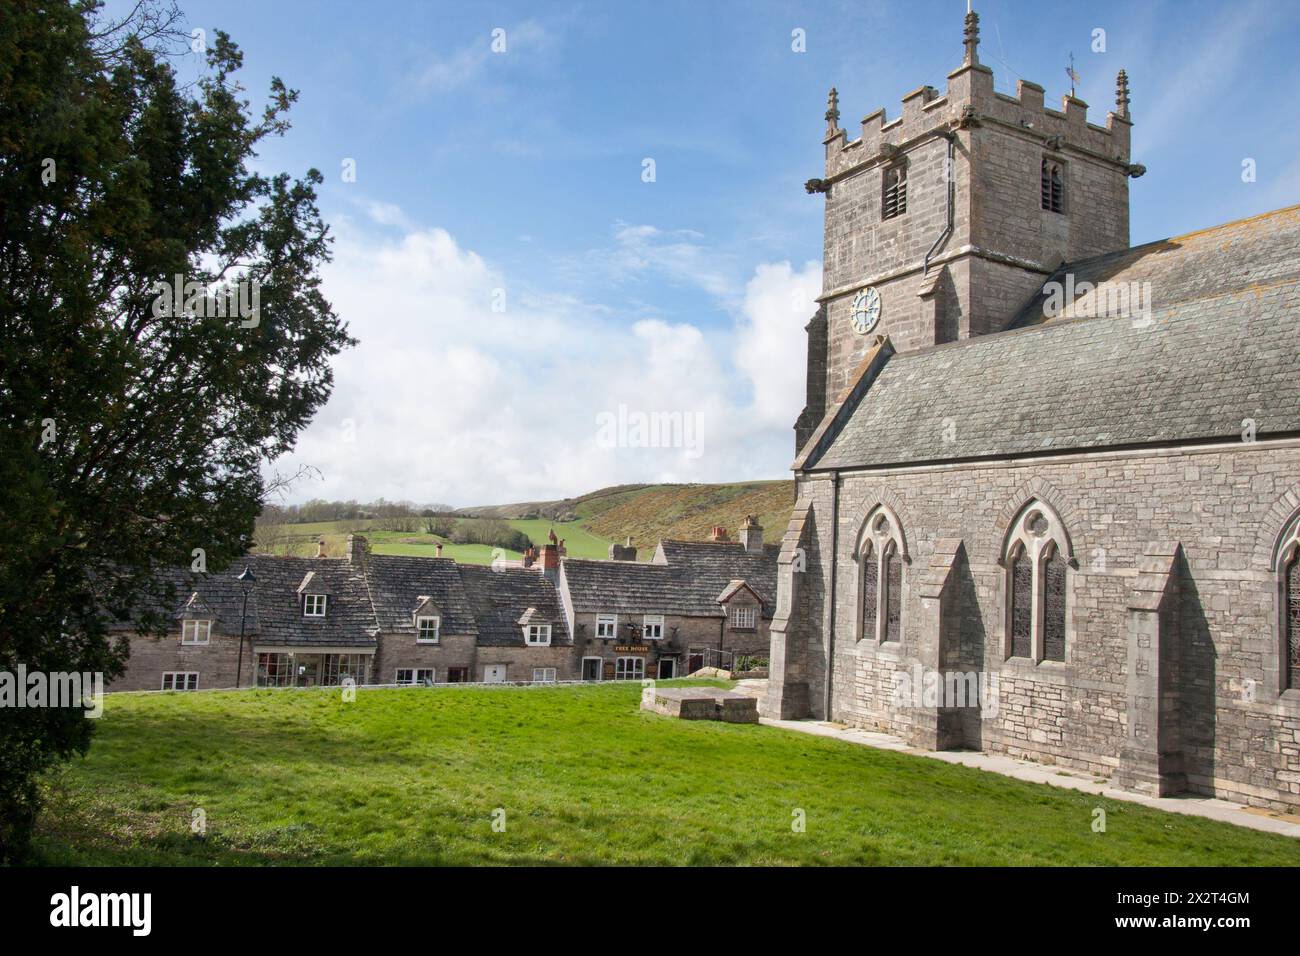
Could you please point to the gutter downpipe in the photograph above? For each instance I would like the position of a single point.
(949, 173)
(835, 553)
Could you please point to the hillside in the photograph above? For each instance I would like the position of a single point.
(648, 513)
(588, 523)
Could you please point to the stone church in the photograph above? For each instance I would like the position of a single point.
(1048, 484)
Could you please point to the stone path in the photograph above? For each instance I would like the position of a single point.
(1198, 806)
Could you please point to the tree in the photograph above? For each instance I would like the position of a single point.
(132, 437)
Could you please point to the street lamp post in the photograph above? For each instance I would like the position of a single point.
(246, 579)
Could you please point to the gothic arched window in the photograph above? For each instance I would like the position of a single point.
(1036, 556)
(1053, 186)
(881, 554)
(1288, 569)
(1022, 604)
(895, 198)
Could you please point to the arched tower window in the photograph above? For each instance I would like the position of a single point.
(1053, 186)
(881, 554)
(1037, 561)
(895, 198)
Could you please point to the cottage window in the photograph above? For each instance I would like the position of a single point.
(653, 627)
(1036, 556)
(313, 605)
(538, 634)
(742, 618)
(180, 680)
(894, 203)
(457, 675)
(414, 675)
(275, 670)
(880, 555)
(196, 632)
(1053, 186)
(629, 668)
(543, 675)
(426, 629)
(607, 625)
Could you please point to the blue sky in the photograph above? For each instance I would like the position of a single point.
(515, 179)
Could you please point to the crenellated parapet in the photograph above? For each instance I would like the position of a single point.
(970, 100)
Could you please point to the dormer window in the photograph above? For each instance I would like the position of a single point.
(196, 632)
(894, 202)
(538, 635)
(1053, 186)
(313, 605)
(742, 618)
(426, 629)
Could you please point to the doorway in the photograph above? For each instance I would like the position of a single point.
(667, 668)
(591, 668)
(494, 673)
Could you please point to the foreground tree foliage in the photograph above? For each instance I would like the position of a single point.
(132, 442)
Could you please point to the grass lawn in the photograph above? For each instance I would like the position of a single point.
(413, 776)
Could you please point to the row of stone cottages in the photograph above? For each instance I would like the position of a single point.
(384, 619)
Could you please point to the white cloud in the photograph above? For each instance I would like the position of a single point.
(528, 40)
(451, 401)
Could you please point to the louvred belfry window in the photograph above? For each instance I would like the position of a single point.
(1053, 187)
(1054, 608)
(1022, 605)
(895, 198)
(1293, 622)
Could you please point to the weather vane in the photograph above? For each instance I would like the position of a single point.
(1074, 77)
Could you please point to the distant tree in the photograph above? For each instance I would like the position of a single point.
(132, 438)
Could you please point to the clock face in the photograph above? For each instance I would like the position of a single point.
(866, 310)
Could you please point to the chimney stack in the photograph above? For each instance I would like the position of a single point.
(751, 535)
(438, 552)
(719, 533)
(550, 560)
(623, 552)
(356, 548)
(320, 548)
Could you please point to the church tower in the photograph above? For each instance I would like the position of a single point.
(941, 223)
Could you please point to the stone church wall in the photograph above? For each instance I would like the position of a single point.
(1220, 504)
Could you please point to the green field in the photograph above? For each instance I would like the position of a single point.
(579, 542)
(582, 776)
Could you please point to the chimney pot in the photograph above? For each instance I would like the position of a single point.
(320, 548)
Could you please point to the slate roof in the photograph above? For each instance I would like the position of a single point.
(1216, 353)
(1246, 255)
(500, 598)
(621, 587)
(686, 582)
(398, 583)
(349, 619)
(707, 568)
